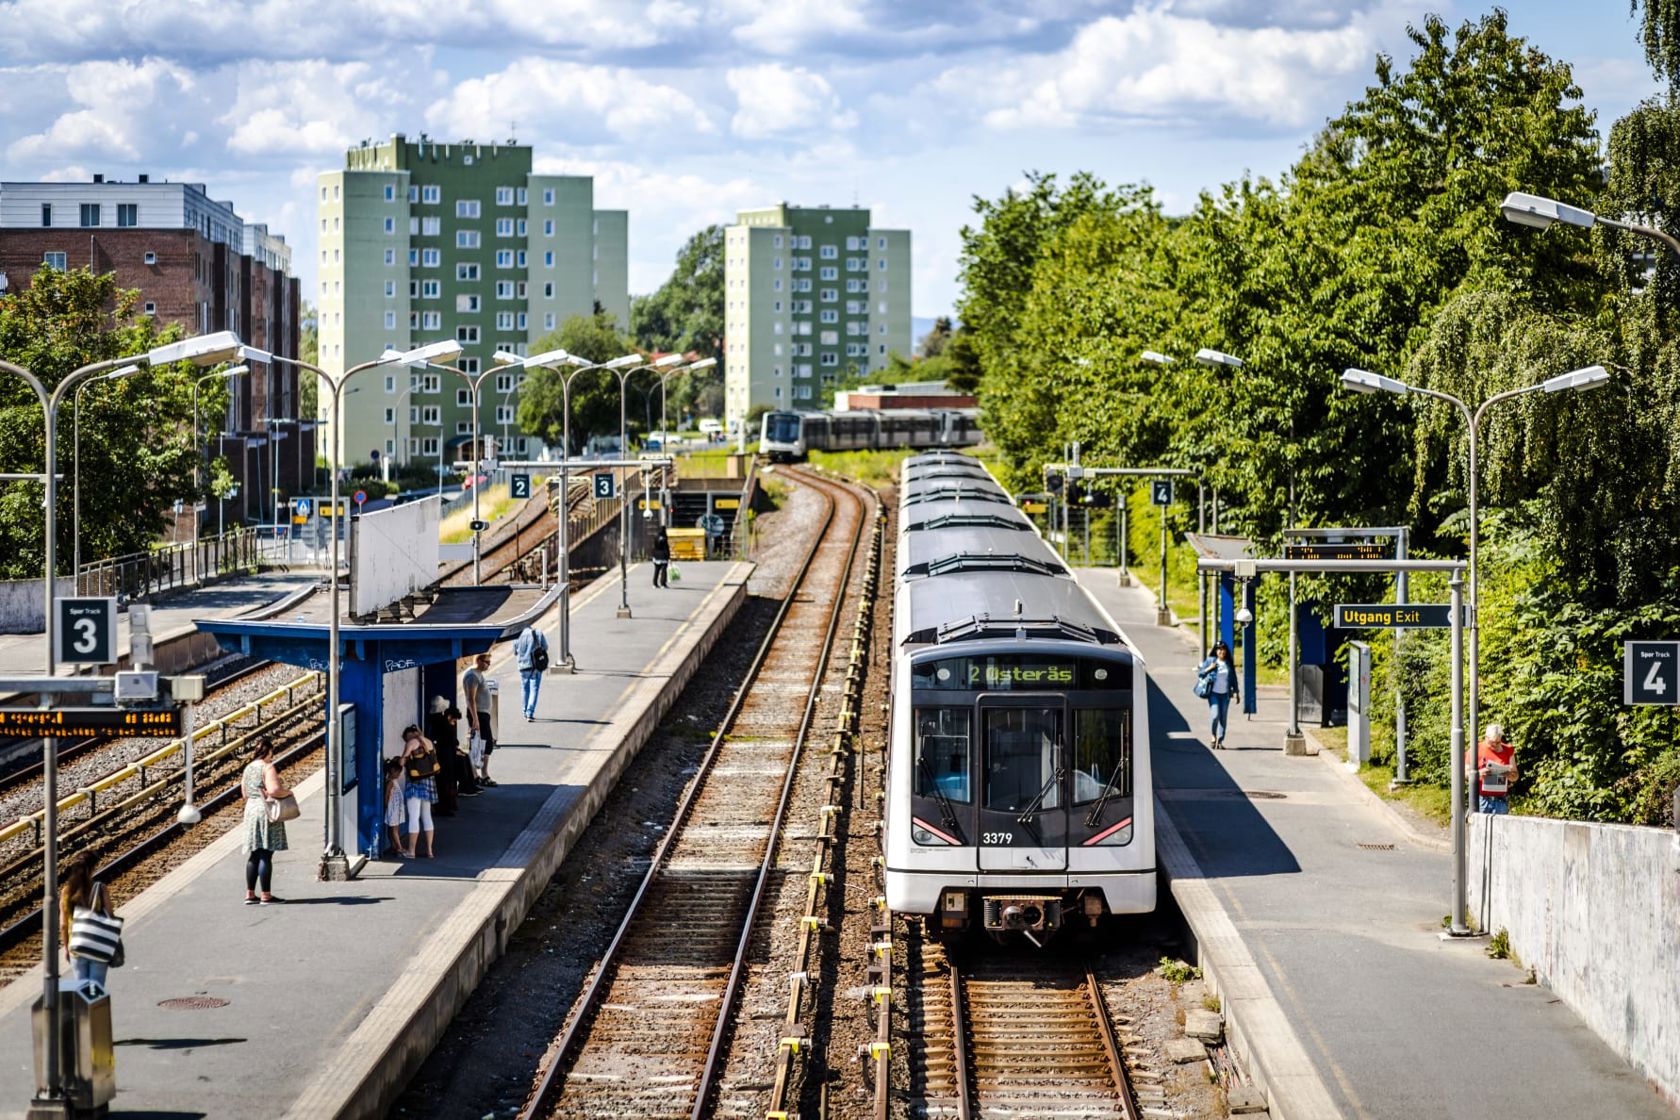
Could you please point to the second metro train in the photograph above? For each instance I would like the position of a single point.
(1019, 793)
(791, 435)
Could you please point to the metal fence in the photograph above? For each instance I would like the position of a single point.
(172, 567)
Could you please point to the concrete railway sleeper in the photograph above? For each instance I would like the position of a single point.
(649, 1033)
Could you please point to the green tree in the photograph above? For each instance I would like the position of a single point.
(309, 349)
(686, 316)
(935, 341)
(594, 394)
(137, 454)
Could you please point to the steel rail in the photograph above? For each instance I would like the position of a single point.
(1116, 1059)
(959, 1039)
(588, 1004)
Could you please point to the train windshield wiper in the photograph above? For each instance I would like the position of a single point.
(1036, 805)
(1095, 815)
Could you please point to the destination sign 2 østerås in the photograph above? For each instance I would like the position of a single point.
(1393, 616)
(90, 723)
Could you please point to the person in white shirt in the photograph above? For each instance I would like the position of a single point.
(1217, 681)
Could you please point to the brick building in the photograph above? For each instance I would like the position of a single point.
(197, 263)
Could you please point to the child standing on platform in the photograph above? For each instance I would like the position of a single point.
(394, 798)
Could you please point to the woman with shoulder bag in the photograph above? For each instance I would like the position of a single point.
(268, 805)
(1216, 682)
(420, 762)
(92, 935)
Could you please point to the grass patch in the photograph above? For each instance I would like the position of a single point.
(1499, 945)
(1177, 971)
(1212, 1004)
(1430, 802)
(710, 462)
(493, 504)
(872, 468)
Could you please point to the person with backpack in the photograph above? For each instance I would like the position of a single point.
(661, 559)
(530, 651)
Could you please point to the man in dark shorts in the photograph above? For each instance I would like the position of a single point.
(475, 691)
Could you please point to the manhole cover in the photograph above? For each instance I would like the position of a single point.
(1377, 847)
(192, 1003)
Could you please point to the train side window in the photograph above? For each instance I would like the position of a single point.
(943, 752)
(1102, 751)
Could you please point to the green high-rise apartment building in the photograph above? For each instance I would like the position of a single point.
(421, 241)
(812, 295)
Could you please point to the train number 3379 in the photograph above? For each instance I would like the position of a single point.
(997, 837)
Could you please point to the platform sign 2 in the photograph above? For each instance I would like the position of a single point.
(85, 632)
(519, 485)
(1160, 491)
(1651, 673)
(604, 485)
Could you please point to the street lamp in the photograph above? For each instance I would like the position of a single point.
(1538, 212)
(665, 435)
(623, 368)
(1364, 381)
(334, 863)
(198, 486)
(76, 467)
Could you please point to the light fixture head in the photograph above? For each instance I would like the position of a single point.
(507, 358)
(668, 361)
(1217, 358)
(231, 371)
(703, 363)
(1155, 358)
(1364, 381)
(252, 354)
(202, 350)
(444, 350)
(627, 360)
(1538, 212)
(127, 370)
(1589, 378)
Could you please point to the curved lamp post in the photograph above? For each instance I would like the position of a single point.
(665, 434)
(1538, 212)
(76, 464)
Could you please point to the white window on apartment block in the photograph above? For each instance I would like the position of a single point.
(390, 417)
(883, 263)
(776, 350)
(828, 272)
(830, 359)
(504, 196)
(519, 258)
(548, 200)
(463, 398)
(431, 289)
(504, 227)
(777, 240)
(431, 414)
(548, 325)
(390, 289)
(519, 197)
(413, 193)
(413, 257)
(466, 208)
(857, 264)
(802, 242)
(504, 258)
(151, 257)
(468, 365)
(390, 192)
(462, 428)
(776, 264)
(431, 194)
(775, 328)
(323, 199)
(431, 258)
(431, 320)
(830, 315)
(880, 243)
(883, 328)
(429, 383)
(504, 320)
(829, 252)
(777, 286)
(390, 383)
(390, 257)
(519, 289)
(521, 225)
(504, 289)
(548, 227)
(830, 295)
(431, 226)
(548, 262)
(504, 383)
(466, 239)
(519, 324)
(466, 272)
(466, 305)
(504, 414)
(466, 335)
(335, 199)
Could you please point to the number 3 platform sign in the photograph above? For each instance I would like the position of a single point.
(86, 631)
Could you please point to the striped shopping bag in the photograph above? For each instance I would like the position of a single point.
(96, 936)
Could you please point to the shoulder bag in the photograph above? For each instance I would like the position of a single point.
(282, 809)
(1204, 684)
(95, 935)
(422, 764)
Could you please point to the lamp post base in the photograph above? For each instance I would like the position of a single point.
(1163, 616)
(623, 612)
(565, 665)
(1123, 580)
(334, 868)
(1295, 745)
(48, 1108)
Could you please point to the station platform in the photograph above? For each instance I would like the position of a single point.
(172, 618)
(1318, 912)
(324, 1006)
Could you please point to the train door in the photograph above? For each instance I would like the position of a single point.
(1023, 807)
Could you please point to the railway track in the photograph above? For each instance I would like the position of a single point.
(649, 1034)
(1012, 1036)
(130, 813)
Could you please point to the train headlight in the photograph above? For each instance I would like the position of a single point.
(927, 836)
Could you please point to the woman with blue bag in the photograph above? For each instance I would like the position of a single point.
(1216, 682)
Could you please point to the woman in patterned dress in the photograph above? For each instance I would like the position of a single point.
(422, 790)
(263, 838)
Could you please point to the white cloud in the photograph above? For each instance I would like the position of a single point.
(783, 27)
(773, 99)
(570, 102)
(122, 109)
(317, 108)
(1154, 64)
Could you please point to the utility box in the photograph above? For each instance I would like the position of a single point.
(86, 1057)
(1359, 705)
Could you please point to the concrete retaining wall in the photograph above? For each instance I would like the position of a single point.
(22, 610)
(1595, 910)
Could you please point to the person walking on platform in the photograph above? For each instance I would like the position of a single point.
(530, 651)
(91, 948)
(1493, 760)
(263, 837)
(454, 779)
(1216, 682)
(475, 687)
(661, 559)
(420, 766)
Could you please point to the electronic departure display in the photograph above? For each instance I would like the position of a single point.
(1019, 673)
(1324, 550)
(86, 723)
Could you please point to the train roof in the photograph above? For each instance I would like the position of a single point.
(948, 515)
(965, 483)
(978, 604)
(924, 471)
(939, 457)
(942, 491)
(975, 548)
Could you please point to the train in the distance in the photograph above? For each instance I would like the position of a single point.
(1019, 792)
(785, 436)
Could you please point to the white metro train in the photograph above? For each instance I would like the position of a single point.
(1018, 787)
(790, 435)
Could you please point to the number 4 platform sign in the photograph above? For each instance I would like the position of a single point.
(85, 632)
(1651, 673)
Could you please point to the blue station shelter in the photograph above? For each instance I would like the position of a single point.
(389, 670)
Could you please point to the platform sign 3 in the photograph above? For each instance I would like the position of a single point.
(1160, 491)
(604, 485)
(85, 632)
(1651, 673)
(519, 485)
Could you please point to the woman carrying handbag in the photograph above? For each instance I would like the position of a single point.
(420, 765)
(92, 934)
(268, 806)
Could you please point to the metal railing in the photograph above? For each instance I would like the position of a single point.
(172, 567)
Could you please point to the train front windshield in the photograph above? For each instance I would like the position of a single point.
(781, 427)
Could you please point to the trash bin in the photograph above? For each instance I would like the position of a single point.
(86, 1058)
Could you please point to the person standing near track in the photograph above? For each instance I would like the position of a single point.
(1494, 762)
(81, 891)
(475, 689)
(1216, 682)
(530, 652)
(661, 559)
(263, 837)
(420, 762)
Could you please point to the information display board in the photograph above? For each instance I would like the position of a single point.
(90, 723)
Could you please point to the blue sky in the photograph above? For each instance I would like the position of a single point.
(686, 110)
